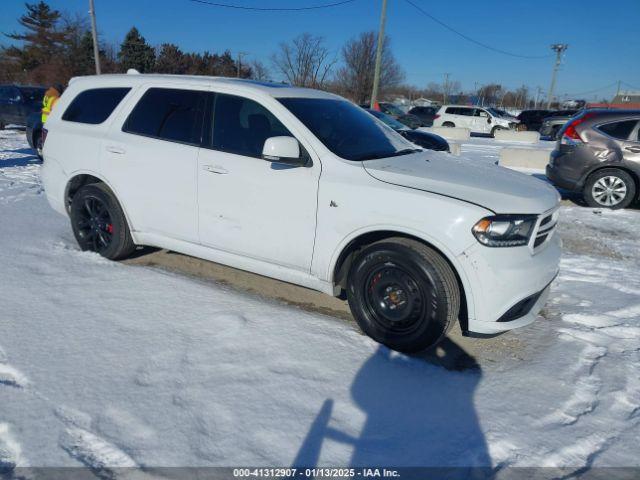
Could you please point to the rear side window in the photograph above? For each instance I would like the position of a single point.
(169, 114)
(619, 130)
(241, 126)
(94, 106)
(453, 111)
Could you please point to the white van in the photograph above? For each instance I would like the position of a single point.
(302, 186)
(476, 119)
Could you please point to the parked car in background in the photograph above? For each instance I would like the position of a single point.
(598, 155)
(425, 114)
(427, 140)
(504, 114)
(532, 119)
(34, 132)
(477, 119)
(304, 186)
(17, 102)
(553, 123)
(396, 112)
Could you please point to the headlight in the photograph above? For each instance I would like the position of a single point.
(504, 230)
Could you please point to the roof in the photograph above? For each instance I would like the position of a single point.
(243, 85)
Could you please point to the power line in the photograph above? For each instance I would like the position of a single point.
(273, 9)
(630, 86)
(595, 90)
(468, 38)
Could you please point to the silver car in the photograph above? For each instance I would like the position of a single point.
(598, 154)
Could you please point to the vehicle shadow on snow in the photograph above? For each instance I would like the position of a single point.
(19, 161)
(419, 412)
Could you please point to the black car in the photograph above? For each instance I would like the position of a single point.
(407, 119)
(426, 140)
(532, 119)
(425, 114)
(17, 102)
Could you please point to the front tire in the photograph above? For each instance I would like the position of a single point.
(99, 224)
(403, 294)
(609, 188)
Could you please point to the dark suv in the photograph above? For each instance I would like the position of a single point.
(598, 154)
(532, 119)
(18, 102)
(425, 114)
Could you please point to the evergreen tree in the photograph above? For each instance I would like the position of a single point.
(136, 53)
(41, 40)
(171, 60)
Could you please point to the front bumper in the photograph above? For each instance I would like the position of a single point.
(502, 278)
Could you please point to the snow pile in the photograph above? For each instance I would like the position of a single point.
(109, 365)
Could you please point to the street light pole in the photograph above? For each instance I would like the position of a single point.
(559, 48)
(94, 34)
(376, 73)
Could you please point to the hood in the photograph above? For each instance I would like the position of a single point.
(496, 188)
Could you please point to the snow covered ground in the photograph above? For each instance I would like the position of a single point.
(106, 365)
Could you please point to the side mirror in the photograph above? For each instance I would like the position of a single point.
(283, 150)
(489, 120)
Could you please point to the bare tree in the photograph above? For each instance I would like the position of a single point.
(259, 71)
(355, 78)
(305, 61)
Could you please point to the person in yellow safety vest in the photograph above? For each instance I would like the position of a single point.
(51, 96)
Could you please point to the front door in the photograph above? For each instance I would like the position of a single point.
(249, 206)
(152, 158)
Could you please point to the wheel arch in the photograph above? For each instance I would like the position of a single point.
(81, 178)
(339, 267)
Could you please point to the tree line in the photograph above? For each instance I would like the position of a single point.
(53, 47)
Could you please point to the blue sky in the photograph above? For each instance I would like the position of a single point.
(604, 37)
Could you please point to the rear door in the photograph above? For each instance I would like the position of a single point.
(151, 155)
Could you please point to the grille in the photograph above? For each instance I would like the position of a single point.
(544, 230)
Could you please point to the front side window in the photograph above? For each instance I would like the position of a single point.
(619, 130)
(169, 114)
(94, 106)
(347, 130)
(241, 126)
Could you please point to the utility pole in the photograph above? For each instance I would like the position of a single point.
(618, 89)
(538, 92)
(240, 55)
(445, 88)
(559, 48)
(376, 72)
(94, 34)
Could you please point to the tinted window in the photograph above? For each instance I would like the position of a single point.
(620, 130)
(241, 126)
(346, 130)
(453, 110)
(169, 114)
(465, 111)
(94, 106)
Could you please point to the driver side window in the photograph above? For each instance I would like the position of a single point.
(241, 126)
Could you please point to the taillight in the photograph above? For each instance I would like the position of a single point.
(436, 116)
(570, 135)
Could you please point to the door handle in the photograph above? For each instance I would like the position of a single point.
(114, 149)
(633, 149)
(215, 169)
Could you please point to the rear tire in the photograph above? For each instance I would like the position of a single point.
(609, 188)
(403, 294)
(37, 143)
(99, 224)
(448, 124)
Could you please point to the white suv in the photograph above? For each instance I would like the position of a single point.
(476, 119)
(303, 186)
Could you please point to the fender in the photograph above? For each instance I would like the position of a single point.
(420, 235)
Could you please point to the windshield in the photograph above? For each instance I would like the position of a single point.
(392, 109)
(392, 122)
(347, 130)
